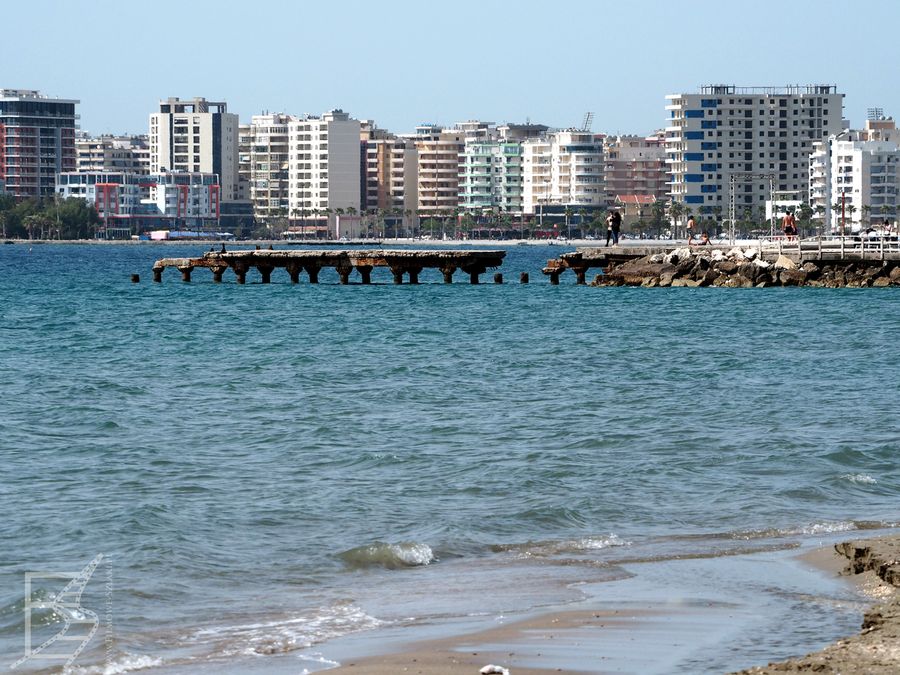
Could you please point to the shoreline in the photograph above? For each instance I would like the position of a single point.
(594, 637)
(647, 631)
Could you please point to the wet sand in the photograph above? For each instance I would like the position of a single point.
(664, 637)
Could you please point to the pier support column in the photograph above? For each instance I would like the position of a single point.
(523, 278)
(473, 273)
(240, 272)
(265, 272)
(312, 269)
(217, 274)
(343, 269)
(293, 271)
(580, 273)
(414, 274)
(397, 271)
(365, 271)
(157, 274)
(447, 271)
(186, 273)
(498, 278)
(554, 278)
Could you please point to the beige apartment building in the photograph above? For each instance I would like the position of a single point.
(389, 172)
(107, 153)
(439, 168)
(636, 165)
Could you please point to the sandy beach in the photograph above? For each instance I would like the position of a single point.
(628, 638)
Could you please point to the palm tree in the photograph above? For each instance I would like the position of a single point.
(867, 215)
(676, 210)
(567, 212)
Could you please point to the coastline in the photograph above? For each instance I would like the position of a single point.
(640, 630)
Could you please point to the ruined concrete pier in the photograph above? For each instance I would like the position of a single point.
(401, 263)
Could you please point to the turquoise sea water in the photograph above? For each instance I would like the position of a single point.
(269, 466)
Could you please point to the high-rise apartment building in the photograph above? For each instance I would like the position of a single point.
(636, 165)
(37, 141)
(389, 175)
(323, 166)
(854, 177)
(106, 153)
(263, 165)
(563, 169)
(760, 135)
(439, 154)
(196, 136)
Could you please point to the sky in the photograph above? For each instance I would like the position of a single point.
(404, 63)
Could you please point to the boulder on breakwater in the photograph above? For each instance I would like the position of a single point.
(743, 268)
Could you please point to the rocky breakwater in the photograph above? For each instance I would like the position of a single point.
(876, 650)
(745, 268)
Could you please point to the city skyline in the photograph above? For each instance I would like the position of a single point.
(498, 62)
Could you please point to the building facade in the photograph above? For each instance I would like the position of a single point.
(636, 165)
(439, 166)
(854, 178)
(760, 135)
(563, 169)
(130, 203)
(491, 177)
(389, 176)
(324, 169)
(37, 141)
(124, 154)
(264, 164)
(196, 136)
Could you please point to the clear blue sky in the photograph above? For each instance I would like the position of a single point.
(402, 63)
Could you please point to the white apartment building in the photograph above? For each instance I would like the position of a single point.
(324, 168)
(131, 202)
(854, 178)
(562, 169)
(126, 154)
(264, 164)
(389, 165)
(758, 134)
(196, 136)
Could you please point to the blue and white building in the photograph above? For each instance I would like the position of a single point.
(764, 133)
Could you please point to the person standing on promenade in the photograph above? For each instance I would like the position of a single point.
(613, 226)
(691, 226)
(789, 226)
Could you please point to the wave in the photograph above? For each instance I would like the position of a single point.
(859, 478)
(287, 634)
(389, 556)
(124, 664)
(543, 549)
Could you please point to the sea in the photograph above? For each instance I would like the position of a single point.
(235, 478)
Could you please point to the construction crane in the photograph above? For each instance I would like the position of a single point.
(588, 121)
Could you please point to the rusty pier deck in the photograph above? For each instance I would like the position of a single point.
(400, 262)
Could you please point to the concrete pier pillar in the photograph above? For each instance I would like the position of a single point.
(414, 274)
(523, 278)
(135, 278)
(266, 273)
(217, 274)
(498, 278)
(447, 271)
(397, 273)
(579, 275)
(240, 272)
(365, 272)
(554, 278)
(343, 267)
(294, 272)
(157, 274)
(313, 271)
(186, 273)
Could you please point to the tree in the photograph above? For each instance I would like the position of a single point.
(567, 212)
(676, 210)
(804, 212)
(867, 215)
